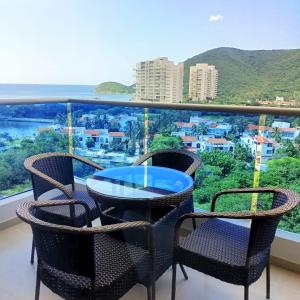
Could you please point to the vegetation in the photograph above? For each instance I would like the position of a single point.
(12, 172)
(248, 75)
(161, 141)
(111, 87)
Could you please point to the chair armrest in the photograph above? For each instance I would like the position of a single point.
(143, 158)
(87, 162)
(23, 207)
(241, 191)
(225, 215)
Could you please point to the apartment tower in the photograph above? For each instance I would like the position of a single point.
(159, 80)
(203, 82)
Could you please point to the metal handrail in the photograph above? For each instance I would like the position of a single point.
(239, 109)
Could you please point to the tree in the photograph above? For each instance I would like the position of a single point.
(161, 142)
(242, 154)
(90, 143)
(224, 160)
(285, 173)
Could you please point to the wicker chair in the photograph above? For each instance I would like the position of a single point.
(55, 171)
(88, 263)
(180, 160)
(230, 252)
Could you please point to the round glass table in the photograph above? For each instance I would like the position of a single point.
(140, 186)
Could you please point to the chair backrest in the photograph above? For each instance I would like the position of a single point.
(58, 166)
(263, 229)
(180, 160)
(61, 247)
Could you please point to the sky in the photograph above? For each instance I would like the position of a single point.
(91, 41)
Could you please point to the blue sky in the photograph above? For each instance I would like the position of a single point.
(90, 41)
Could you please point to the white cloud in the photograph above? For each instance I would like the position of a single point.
(215, 18)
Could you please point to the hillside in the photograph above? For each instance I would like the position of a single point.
(252, 74)
(111, 87)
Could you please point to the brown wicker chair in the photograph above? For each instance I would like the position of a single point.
(180, 160)
(55, 171)
(230, 252)
(88, 263)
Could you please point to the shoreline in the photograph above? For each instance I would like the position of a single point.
(33, 120)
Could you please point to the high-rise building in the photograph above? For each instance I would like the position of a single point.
(159, 80)
(203, 83)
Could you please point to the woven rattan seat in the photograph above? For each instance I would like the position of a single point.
(54, 171)
(233, 253)
(88, 263)
(229, 239)
(61, 214)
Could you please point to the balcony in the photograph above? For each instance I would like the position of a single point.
(18, 277)
(62, 125)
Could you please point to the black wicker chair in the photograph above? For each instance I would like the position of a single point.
(180, 160)
(55, 171)
(88, 263)
(230, 252)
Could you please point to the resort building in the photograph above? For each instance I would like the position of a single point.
(267, 149)
(203, 82)
(289, 133)
(221, 144)
(186, 127)
(159, 80)
(218, 130)
(279, 124)
(253, 129)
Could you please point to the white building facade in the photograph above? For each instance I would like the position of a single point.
(203, 82)
(159, 80)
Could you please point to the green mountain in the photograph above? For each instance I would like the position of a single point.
(251, 74)
(111, 87)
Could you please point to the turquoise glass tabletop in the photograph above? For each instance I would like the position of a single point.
(139, 181)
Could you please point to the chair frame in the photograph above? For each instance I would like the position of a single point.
(190, 170)
(292, 202)
(29, 166)
(24, 214)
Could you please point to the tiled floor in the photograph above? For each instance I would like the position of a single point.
(17, 278)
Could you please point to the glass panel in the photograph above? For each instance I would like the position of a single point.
(282, 164)
(26, 130)
(109, 135)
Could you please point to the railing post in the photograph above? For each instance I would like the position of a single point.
(70, 131)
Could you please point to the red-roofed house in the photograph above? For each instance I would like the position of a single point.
(221, 144)
(185, 127)
(100, 137)
(253, 143)
(252, 129)
(188, 140)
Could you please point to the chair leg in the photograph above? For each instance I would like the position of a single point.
(246, 293)
(173, 281)
(148, 293)
(194, 224)
(32, 252)
(153, 291)
(183, 272)
(37, 286)
(268, 280)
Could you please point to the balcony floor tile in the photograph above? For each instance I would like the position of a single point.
(17, 278)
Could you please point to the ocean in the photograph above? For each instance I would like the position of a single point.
(35, 91)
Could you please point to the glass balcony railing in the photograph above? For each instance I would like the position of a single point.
(26, 130)
(238, 148)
